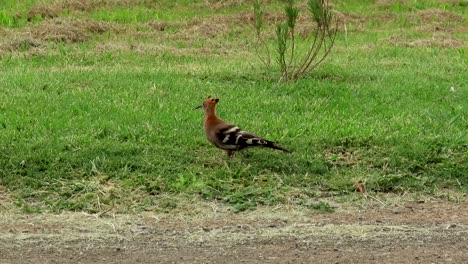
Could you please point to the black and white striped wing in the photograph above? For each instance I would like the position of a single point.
(233, 138)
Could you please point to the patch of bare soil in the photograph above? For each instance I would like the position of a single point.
(434, 232)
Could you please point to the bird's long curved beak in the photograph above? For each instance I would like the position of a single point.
(198, 107)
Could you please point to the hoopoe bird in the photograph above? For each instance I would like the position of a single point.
(229, 137)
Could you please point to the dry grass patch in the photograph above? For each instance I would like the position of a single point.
(116, 46)
(350, 22)
(160, 25)
(437, 15)
(340, 156)
(389, 3)
(12, 41)
(452, 2)
(158, 49)
(43, 11)
(439, 41)
(5, 199)
(91, 5)
(53, 10)
(223, 4)
(68, 30)
(434, 27)
(209, 27)
(432, 20)
(383, 4)
(435, 41)
(19, 43)
(203, 29)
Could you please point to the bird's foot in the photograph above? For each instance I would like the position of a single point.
(229, 153)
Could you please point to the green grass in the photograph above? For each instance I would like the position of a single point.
(87, 129)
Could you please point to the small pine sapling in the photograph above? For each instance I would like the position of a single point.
(294, 62)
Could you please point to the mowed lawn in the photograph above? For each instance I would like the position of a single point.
(97, 105)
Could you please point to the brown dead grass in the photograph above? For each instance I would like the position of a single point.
(435, 41)
(452, 2)
(68, 30)
(208, 27)
(223, 4)
(441, 27)
(5, 199)
(160, 25)
(342, 157)
(430, 20)
(34, 38)
(389, 3)
(269, 17)
(19, 42)
(221, 25)
(204, 29)
(158, 49)
(43, 11)
(52, 10)
(438, 15)
(412, 233)
(434, 20)
(216, 25)
(14, 41)
(91, 5)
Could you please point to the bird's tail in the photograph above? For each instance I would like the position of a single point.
(273, 145)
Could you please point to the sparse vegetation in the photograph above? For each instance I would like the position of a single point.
(96, 106)
(296, 61)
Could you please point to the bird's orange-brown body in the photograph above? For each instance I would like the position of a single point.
(227, 136)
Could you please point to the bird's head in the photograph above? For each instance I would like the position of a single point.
(208, 103)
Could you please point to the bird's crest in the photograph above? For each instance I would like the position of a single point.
(210, 101)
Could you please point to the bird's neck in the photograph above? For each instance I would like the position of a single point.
(210, 112)
(210, 115)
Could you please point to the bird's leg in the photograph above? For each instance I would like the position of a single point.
(229, 153)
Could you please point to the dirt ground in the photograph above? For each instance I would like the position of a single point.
(416, 232)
